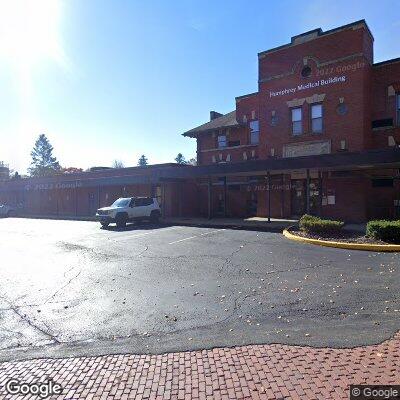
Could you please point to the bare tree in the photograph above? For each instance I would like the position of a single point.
(118, 164)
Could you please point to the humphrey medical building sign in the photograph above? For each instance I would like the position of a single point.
(310, 85)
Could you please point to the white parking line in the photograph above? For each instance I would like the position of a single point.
(147, 233)
(193, 237)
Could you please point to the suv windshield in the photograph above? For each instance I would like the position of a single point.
(121, 203)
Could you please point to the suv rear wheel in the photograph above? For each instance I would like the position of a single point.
(121, 220)
(155, 216)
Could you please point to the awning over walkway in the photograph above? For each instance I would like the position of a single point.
(388, 158)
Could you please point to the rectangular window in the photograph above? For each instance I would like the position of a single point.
(382, 123)
(234, 143)
(382, 182)
(297, 122)
(254, 132)
(316, 118)
(398, 108)
(221, 141)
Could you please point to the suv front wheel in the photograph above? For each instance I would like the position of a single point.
(120, 220)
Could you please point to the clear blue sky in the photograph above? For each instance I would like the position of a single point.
(109, 80)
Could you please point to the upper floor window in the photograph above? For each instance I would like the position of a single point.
(221, 141)
(297, 121)
(254, 132)
(316, 118)
(234, 143)
(398, 108)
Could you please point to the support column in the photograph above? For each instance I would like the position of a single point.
(225, 197)
(269, 195)
(76, 198)
(308, 192)
(282, 196)
(180, 199)
(209, 197)
(163, 200)
(320, 193)
(57, 193)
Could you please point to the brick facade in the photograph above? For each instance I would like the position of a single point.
(334, 69)
(331, 72)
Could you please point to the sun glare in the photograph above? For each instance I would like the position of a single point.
(29, 32)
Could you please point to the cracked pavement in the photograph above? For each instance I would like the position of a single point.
(69, 288)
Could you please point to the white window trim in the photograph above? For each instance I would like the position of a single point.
(321, 118)
(253, 131)
(293, 121)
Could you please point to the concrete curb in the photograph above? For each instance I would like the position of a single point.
(342, 245)
(250, 227)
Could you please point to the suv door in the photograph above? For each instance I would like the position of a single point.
(132, 210)
(139, 209)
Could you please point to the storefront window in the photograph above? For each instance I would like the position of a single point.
(297, 125)
(254, 132)
(316, 118)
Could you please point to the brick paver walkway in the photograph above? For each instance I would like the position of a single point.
(248, 372)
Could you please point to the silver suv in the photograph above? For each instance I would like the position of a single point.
(129, 209)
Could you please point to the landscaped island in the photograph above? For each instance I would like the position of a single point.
(379, 232)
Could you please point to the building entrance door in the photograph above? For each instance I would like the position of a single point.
(93, 203)
(251, 204)
(298, 197)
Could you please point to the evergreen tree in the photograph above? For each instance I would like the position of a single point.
(43, 163)
(180, 159)
(142, 161)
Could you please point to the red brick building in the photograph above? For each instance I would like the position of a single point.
(321, 135)
(321, 94)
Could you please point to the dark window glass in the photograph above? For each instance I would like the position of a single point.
(144, 201)
(316, 118)
(297, 122)
(383, 182)
(121, 202)
(342, 109)
(306, 72)
(398, 108)
(221, 141)
(341, 174)
(234, 143)
(254, 132)
(381, 123)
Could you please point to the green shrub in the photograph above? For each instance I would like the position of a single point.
(387, 231)
(312, 224)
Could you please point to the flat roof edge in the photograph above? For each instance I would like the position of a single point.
(320, 33)
(386, 62)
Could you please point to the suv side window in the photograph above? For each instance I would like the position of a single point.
(132, 203)
(138, 202)
(144, 201)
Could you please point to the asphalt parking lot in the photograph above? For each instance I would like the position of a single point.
(69, 288)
